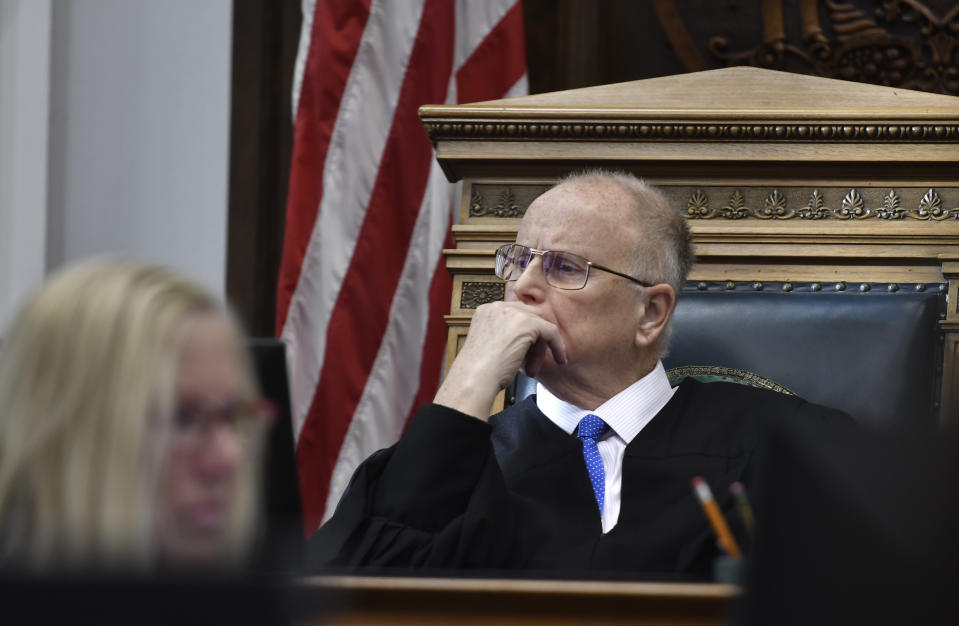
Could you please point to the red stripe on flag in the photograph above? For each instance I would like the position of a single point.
(497, 63)
(362, 309)
(335, 38)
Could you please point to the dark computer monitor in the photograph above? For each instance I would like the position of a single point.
(282, 510)
(855, 526)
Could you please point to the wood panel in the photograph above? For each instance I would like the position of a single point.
(265, 37)
(390, 600)
(812, 180)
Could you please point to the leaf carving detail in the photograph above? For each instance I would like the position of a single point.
(853, 206)
(890, 207)
(506, 207)
(775, 204)
(698, 205)
(814, 207)
(930, 206)
(735, 209)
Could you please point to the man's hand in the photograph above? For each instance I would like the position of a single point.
(503, 337)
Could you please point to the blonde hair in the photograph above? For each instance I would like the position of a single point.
(85, 369)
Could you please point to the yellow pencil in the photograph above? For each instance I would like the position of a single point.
(726, 540)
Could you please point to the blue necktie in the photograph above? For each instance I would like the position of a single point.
(590, 429)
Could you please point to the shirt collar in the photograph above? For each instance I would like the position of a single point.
(627, 413)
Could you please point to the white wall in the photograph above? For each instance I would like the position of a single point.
(24, 106)
(138, 133)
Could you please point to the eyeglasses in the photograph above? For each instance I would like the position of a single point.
(192, 425)
(563, 270)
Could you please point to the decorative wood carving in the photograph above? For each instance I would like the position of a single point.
(852, 206)
(502, 201)
(897, 43)
(475, 294)
(775, 204)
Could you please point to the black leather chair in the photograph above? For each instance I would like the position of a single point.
(872, 350)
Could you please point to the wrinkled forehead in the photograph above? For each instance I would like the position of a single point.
(580, 216)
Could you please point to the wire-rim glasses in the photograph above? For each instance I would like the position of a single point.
(563, 270)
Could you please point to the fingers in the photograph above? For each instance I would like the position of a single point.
(503, 337)
(510, 335)
(555, 343)
(534, 358)
(548, 342)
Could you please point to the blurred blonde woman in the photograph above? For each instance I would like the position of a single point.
(129, 425)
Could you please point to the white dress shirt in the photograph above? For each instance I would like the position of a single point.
(626, 413)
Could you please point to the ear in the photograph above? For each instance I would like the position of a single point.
(658, 302)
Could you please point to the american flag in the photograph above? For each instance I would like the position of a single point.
(362, 286)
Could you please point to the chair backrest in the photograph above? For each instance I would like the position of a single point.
(870, 350)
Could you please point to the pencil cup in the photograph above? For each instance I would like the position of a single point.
(727, 570)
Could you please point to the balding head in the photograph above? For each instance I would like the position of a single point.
(663, 251)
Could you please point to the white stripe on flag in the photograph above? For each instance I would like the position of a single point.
(394, 379)
(474, 21)
(352, 165)
(359, 136)
(302, 52)
(520, 88)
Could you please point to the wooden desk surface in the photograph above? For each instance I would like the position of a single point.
(402, 600)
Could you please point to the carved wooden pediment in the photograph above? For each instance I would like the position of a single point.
(709, 111)
(783, 178)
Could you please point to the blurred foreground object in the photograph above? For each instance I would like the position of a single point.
(130, 425)
(856, 528)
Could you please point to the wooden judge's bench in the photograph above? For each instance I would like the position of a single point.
(790, 184)
(493, 602)
(795, 188)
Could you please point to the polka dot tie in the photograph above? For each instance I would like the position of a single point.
(590, 429)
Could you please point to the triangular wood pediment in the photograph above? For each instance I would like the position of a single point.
(733, 91)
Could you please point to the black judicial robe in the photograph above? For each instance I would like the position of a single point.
(514, 494)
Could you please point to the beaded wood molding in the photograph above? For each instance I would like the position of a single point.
(733, 104)
(813, 287)
(654, 130)
(474, 294)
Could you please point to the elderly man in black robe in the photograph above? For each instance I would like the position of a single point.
(591, 475)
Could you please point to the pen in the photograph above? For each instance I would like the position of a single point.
(726, 539)
(742, 503)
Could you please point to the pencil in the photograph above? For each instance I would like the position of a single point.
(742, 503)
(726, 540)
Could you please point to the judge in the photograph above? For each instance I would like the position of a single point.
(592, 474)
